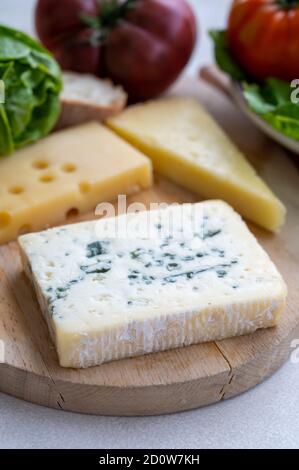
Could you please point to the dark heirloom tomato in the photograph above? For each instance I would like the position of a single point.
(60, 29)
(148, 50)
(264, 37)
(57, 19)
(141, 44)
(78, 54)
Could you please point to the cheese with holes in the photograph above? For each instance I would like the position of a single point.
(186, 145)
(151, 281)
(68, 172)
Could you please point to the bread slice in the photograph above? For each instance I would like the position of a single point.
(88, 98)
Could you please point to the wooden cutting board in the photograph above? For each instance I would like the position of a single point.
(174, 380)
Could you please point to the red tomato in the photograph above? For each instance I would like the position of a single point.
(264, 37)
(143, 47)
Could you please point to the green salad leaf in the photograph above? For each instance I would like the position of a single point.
(270, 99)
(32, 83)
(223, 56)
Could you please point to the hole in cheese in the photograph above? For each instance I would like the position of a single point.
(16, 189)
(68, 167)
(5, 219)
(40, 164)
(47, 178)
(84, 186)
(73, 212)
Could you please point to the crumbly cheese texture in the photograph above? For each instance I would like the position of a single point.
(187, 145)
(68, 172)
(149, 288)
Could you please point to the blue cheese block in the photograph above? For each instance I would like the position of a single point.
(151, 281)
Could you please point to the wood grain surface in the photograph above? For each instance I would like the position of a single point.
(174, 380)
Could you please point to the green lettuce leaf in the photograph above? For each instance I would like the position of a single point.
(223, 56)
(270, 99)
(32, 82)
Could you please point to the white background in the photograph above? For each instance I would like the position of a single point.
(267, 416)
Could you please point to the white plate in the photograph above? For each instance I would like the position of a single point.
(237, 95)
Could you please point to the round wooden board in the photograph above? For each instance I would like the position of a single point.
(174, 380)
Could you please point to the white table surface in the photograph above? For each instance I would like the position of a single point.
(266, 416)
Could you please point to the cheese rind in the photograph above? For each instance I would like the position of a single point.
(69, 171)
(186, 145)
(106, 298)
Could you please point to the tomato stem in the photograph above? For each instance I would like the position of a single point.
(112, 11)
(287, 3)
(109, 15)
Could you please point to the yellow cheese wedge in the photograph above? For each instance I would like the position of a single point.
(186, 145)
(68, 172)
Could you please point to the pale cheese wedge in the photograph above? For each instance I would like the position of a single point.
(186, 145)
(182, 275)
(67, 173)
